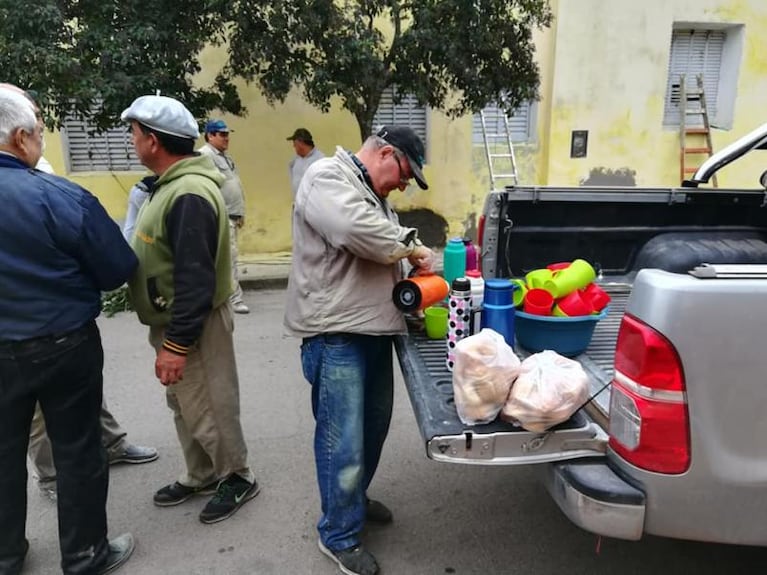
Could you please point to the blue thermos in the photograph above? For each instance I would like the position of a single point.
(498, 308)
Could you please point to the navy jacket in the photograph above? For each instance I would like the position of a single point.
(58, 251)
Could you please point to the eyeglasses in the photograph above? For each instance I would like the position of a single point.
(403, 179)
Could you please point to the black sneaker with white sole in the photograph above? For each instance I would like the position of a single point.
(353, 561)
(176, 493)
(232, 493)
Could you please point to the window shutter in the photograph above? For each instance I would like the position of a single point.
(406, 113)
(694, 52)
(92, 151)
(519, 124)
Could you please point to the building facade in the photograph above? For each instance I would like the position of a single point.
(609, 114)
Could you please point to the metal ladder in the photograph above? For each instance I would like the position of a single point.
(493, 141)
(692, 104)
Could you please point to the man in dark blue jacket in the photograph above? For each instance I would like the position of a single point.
(58, 250)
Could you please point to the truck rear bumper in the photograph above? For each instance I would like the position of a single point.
(593, 497)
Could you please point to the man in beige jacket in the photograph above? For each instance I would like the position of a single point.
(216, 145)
(347, 251)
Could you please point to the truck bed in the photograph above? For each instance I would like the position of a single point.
(430, 388)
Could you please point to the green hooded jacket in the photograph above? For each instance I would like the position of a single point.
(152, 287)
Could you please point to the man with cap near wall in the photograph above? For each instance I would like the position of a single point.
(58, 250)
(181, 290)
(216, 144)
(306, 155)
(348, 247)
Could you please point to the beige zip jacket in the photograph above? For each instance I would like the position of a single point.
(347, 247)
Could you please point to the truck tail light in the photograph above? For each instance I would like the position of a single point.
(649, 424)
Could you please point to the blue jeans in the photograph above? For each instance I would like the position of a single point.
(352, 382)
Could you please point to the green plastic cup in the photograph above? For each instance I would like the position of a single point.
(518, 296)
(537, 278)
(435, 321)
(577, 276)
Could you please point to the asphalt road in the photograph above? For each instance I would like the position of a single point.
(449, 519)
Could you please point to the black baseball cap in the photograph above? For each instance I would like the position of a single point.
(407, 141)
(303, 135)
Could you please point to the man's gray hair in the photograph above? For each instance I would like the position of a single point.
(375, 143)
(16, 111)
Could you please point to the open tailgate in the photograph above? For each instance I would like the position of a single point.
(430, 386)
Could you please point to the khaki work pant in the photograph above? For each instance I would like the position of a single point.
(40, 452)
(236, 296)
(206, 404)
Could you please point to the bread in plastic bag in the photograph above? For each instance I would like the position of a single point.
(485, 367)
(549, 389)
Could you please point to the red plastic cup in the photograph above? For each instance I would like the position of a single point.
(598, 297)
(538, 302)
(558, 266)
(573, 304)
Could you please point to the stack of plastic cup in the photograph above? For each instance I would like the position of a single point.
(538, 302)
(573, 304)
(576, 276)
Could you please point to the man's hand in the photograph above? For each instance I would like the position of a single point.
(423, 259)
(169, 367)
(239, 222)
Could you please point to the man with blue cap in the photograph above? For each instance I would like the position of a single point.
(216, 144)
(181, 291)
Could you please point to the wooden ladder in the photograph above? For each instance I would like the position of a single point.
(499, 150)
(693, 123)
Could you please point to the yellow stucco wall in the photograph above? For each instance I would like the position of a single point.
(609, 77)
(604, 69)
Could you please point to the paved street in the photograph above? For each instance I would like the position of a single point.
(449, 519)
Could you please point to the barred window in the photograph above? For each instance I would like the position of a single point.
(406, 113)
(87, 150)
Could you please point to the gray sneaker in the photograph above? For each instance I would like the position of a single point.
(353, 561)
(134, 454)
(240, 307)
(120, 549)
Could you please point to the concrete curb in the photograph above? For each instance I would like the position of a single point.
(253, 283)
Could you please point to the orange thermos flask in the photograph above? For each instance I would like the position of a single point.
(419, 292)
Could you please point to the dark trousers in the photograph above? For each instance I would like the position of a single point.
(64, 374)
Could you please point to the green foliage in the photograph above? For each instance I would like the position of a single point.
(77, 53)
(355, 49)
(115, 301)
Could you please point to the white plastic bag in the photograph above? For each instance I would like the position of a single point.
(485, 367)
(549, 389)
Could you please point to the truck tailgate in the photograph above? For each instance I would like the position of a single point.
(430, 387)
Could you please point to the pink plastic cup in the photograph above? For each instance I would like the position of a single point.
(573, 304)
(598, 297)
(538, 302)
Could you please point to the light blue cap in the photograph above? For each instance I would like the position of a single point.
(164, 114)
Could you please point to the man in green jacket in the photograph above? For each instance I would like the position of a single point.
(181, 291)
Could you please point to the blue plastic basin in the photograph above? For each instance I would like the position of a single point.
(567, 336)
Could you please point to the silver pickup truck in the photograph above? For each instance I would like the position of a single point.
(674, 442)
